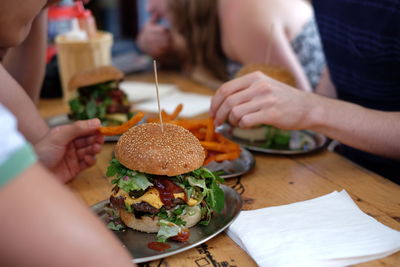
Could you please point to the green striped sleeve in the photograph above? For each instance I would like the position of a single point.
(21, 159)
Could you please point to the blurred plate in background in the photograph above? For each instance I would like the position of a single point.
(304, 142)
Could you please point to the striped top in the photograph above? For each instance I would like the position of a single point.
(361, 40)
(16, 154)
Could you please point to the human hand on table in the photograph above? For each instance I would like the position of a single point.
(257, 99)
(67, 150)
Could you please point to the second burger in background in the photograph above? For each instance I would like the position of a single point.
(161, 186)
(98, 96)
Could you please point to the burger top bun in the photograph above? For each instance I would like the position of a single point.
(146, 148)
(275, 72)
(94, 76)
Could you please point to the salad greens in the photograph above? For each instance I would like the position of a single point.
(127, 179)
(276, 138)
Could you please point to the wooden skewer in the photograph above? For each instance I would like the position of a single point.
(158, 95)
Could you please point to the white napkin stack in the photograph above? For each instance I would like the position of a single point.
(327, 231)
(193, 104)
(141, 91)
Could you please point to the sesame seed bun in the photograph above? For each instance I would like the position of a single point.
(94, 76)
(146, 148)
(275, 72)
(149, 224)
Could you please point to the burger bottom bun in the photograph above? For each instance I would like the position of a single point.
(150, 224)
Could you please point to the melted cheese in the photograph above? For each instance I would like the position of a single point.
(152, 197)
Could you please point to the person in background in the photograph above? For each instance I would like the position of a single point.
(363, 58)
(274, 32)
(42, 219)
(155, 37)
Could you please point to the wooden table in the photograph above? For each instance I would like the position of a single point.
(275, 180)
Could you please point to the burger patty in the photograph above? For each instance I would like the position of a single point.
(145, 207)
(117, 202)
(175, 202)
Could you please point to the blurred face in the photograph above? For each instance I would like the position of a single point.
(16, 18)
(157, 8)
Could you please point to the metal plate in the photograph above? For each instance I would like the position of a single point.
(136, 242)
(234, 168)
(63, 119)
(315, 142)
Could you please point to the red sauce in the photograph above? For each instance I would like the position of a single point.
(166, 188)
(183, 236)
(158, 246)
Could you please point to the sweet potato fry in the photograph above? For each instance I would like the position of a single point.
(190, 125)
(209, 158)
(117, 130)
(201, 135)
(227, 156)
(176, 112)
(164, 116)
(210, 130)
(214, 146)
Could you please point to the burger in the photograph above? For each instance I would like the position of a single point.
(97, 95)
(275, 72)
(160, 184)
(266, 136)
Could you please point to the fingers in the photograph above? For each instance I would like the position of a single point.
(89, 150)
(231, 103)
(65, 134)
(89, 140)
(230, 88)
(251, 119)
(238, 112)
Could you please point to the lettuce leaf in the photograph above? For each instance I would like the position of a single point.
(167, 230)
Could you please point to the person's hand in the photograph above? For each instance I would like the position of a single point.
(257, 99)
(154, 39)
(66, 150)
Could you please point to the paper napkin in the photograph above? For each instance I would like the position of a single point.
(141, 91)
(327, 231)
(193, 104)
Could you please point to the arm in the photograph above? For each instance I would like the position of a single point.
(46, 226)
(325, 86)
(257, 99)
(26, 62)
(157, 41)
(253, 39)
(30, 123)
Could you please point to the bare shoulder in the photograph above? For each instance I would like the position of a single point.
(258, 14)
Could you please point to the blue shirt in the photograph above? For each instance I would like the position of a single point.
(361, 41)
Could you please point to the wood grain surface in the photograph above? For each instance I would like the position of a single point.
(275, 180)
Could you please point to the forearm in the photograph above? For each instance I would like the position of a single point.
(26, 62)
(30, 123)
(55, 229)
(325, 86)
(369, 130)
